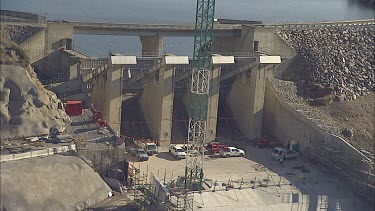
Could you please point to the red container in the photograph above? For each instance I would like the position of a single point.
(73, 107)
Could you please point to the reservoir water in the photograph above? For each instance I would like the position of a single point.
(272, 11)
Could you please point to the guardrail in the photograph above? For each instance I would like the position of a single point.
(22, 17)
(37, 153)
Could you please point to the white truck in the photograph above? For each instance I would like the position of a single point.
(279, 152)
(231, 151)
(150, 147)
(177, 151)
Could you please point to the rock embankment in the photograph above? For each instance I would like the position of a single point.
(19, 33)
(339, 59)
(339, 118)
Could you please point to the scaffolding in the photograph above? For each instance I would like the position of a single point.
(357, 171)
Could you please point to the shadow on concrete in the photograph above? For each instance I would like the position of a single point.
(166, 156)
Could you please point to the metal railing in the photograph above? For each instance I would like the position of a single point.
(22, 17)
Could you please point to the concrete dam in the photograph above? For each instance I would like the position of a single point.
(147, 95)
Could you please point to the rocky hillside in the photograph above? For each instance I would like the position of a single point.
(26, 107)
(353, 120)
(19, 33)
(338, 60)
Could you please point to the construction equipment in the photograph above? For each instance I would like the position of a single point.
(204, 24)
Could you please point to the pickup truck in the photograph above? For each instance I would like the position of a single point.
(150, 147)
(279, 152)
(177, 151)
(141, 154)
(231, 151)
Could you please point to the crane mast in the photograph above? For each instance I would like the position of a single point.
(199, 92)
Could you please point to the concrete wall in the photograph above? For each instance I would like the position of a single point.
(284, 123)
(244, 43)
(156, 103)
(58, 64)
(268, 41)
(245, 99)
(34, 47)
(343, 160)
(55, 32)
(106, 95)
(47, 40)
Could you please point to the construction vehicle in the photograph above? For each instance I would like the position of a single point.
(279, 152)
(149, 146)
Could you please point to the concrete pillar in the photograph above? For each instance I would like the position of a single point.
(106, 96)
(152, 45)
(213, 97)
(246, 98)
(157, 97)
(107, 90)
(213, 103)
(156, 102)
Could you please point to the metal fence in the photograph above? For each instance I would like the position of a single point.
(22, 17)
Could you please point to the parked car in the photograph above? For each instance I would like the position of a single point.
(177, 151)
(231, 151)
(148, 145)
(215, 147)
(262, 143)
(141, 154)
(279, 152)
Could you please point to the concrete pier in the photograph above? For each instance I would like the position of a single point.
(152, 45)
(246, 98)
(156, 99)
(107, 90)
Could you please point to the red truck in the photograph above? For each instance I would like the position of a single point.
(215, 147)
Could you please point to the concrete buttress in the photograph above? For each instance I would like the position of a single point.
(156, 103)
(106, 95)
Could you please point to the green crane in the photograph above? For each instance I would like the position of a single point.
(200, 78)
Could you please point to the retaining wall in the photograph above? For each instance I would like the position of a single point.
(284, 123)
(37, 153)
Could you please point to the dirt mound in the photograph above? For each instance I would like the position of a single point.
(50, 183)
(25, 108)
